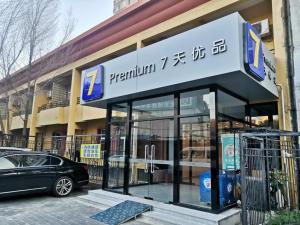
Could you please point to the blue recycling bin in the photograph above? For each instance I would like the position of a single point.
(226, 183)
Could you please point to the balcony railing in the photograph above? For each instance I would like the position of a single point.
(52, 105)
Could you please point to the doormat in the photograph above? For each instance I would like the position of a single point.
(121, 212)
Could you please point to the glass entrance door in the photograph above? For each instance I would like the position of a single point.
(151, 159)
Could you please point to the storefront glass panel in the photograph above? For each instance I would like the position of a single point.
(195, 183)
(231, 106)
(153, 108)
(194, 102)
(119, 112)
(195, 149)
(231, 118)
(116, 155)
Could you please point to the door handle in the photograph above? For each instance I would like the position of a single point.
(146, 158)
(152, 158)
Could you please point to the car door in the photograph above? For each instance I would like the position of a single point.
(37, 172)
(10, 181)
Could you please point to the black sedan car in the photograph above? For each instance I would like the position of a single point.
(23, 172)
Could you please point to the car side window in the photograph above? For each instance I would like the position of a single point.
(11, 162)
(36, 160)
(55, 161)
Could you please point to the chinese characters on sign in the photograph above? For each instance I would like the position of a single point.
(178, 58)
(198, 53)
(90, 151)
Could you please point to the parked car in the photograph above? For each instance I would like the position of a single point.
(23, 172)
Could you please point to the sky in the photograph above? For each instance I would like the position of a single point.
(88, 13)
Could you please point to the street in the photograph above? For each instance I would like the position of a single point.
(47, 210)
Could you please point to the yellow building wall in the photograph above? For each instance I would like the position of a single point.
(58, 115)
(281, 65)
(260, 12)
(17, 122)
(90, 127)
(39, 99)
(86, 113)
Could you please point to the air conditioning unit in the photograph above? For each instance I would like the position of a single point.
(49, 94)
(262, 27)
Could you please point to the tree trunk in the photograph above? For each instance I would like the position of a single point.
(7, 113)
(2, 124)
(26, 115)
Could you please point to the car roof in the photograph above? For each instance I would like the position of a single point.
(12, 152)
(15, 149)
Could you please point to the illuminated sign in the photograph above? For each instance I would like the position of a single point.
(90, 151)
(92, 86)
(254, 60)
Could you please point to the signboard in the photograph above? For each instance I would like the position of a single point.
(92, 85)
(254, 59)
(230, 152)
(205, 55)
(90, 151)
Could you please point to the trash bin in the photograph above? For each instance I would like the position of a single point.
(226, 184)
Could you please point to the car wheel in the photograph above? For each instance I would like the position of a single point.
(63, 186)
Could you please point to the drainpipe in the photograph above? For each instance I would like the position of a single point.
(290, 60)
(283, 152)
(282, 106)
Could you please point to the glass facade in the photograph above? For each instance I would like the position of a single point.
(177, 148)
(153, 108)
(194, 151)
(194, 159)
(232, 117)
(116, 154)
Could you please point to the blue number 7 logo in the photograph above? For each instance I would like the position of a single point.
(254, 61)
(92, 85)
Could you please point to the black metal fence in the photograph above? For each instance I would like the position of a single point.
(94, 161)
(18, 141)
(60, 145)
(269, 176)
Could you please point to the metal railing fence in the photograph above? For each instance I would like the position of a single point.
(95, 162)
(269, 175)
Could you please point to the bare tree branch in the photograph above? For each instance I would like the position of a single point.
(27, 33)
